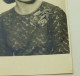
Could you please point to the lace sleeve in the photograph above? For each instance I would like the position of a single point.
(61, 42)
(4, 51)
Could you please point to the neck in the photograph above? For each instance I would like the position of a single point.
(24, 8)
(28, 2)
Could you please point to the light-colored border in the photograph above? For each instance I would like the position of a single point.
(69, 32)
(31, 65)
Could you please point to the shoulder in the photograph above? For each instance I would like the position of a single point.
(56, 10)
(6, 14)
(49, 5)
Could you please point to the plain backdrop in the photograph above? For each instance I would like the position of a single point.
(4, 7)
(74, 18)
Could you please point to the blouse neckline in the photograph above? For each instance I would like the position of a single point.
(29, 13)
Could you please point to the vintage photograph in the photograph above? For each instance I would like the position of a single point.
(35, 37)
(33, 27)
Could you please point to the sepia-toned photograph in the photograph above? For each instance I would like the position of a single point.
(35, 37)
(33, 27)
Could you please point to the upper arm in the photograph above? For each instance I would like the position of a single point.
(4, 50)
(61, 41)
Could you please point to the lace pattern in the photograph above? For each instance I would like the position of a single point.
(43, 32)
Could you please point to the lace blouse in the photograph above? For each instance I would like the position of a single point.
(43, 32)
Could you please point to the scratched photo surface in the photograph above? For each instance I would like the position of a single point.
(33, 27)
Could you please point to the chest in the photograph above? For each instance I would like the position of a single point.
(24, 33)
(28, 30)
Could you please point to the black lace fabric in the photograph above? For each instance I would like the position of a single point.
(43, 32)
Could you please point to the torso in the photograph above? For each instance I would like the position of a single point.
(42, 32)
(28, 34)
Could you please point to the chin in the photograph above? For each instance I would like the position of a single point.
(27, 1)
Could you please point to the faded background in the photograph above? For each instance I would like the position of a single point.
(4, 7)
